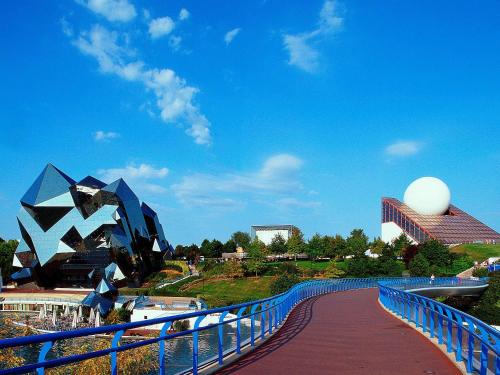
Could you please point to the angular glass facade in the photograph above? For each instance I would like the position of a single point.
(71, 231)
(454, 227)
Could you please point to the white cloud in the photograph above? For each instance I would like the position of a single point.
(112, 10)
(403, 148)
(302, 47)
(174, 97)
(296, 203)
(67, 29)
(231, 34)
(302, 55)
(160, 27)
(175, 42)
(137, 177)
(184, 14)
(101, 135)
(278, 175)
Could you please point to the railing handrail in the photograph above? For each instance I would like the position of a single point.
(479, 322)
(276, 307)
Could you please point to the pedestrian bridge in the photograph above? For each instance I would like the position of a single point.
(345, 326)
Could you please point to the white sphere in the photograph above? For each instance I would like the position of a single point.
(428, 196)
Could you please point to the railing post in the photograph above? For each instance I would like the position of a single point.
(458, 352)
(114, 358)
(220, 336)
(41, 356)
(449, 331)
(238, 329)
(195, 344)
(262, 320)
(440, 324)
(470, 346)
(161, 355)
(252, 324)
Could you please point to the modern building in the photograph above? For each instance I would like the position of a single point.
(426, 213)
(266, 233)
(75, 234)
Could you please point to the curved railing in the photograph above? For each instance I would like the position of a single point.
(268, 314)
(462, 334)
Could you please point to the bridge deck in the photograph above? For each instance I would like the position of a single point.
(344, 333)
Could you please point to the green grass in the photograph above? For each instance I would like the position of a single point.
(228, 292)
(304, 264)
(478, 252)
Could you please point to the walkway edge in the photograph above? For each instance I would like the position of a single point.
(459, 365)
(233, 357)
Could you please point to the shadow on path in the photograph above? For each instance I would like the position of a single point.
(298, 320)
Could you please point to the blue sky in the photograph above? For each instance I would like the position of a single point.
(226, 114)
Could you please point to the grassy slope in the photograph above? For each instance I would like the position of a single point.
(228, 292)
(478, 252)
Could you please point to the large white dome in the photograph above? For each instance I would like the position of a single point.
(428, 196)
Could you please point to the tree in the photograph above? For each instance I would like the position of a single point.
(256, 253)
(357, 243)
(229, 246)
(401, 243)
(488, 307)
(316, 246)
(206, 248)
(377, 246)
(217, 248)
(420, 266)
(241, 239)
(409, 253)
(436, 253)
(179, 251)
(295, 244)
(7, 250)
(332, 272)
(278, 245)
(335, 247)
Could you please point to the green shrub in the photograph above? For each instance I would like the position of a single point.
(283, 283)
(288, 267)
(179, 265)
(480, 272)
(332, 272)
(233, 269)
(181, 325)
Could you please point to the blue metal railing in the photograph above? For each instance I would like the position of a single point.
(494, 267)
(269, 313)
(450, 326)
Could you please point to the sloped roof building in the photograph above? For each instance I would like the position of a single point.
(73, 231)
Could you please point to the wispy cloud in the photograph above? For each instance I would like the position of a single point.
(162, 26)
(112, 10)
(101, 136)
(279, 175)
(302, 48)
(403, 148)
(174, 97)
(297, 203)
(137, 176)
(184, 14)
(231, 34)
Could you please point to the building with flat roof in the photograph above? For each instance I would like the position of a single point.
(75, 234)
(266, 233)
(426, 213)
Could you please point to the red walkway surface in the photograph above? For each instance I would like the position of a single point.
(344, 333)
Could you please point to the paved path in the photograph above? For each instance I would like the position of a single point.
(344, 333)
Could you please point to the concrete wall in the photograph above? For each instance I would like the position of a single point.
(267, 236)
(390, 231)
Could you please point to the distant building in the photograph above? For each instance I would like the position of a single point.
(426, 213)
(266, 233)
(74, 234)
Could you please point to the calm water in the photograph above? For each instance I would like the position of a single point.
(179, 351)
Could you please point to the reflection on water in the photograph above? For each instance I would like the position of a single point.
(179, 351)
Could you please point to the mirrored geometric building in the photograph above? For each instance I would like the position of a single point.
(74, 234)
